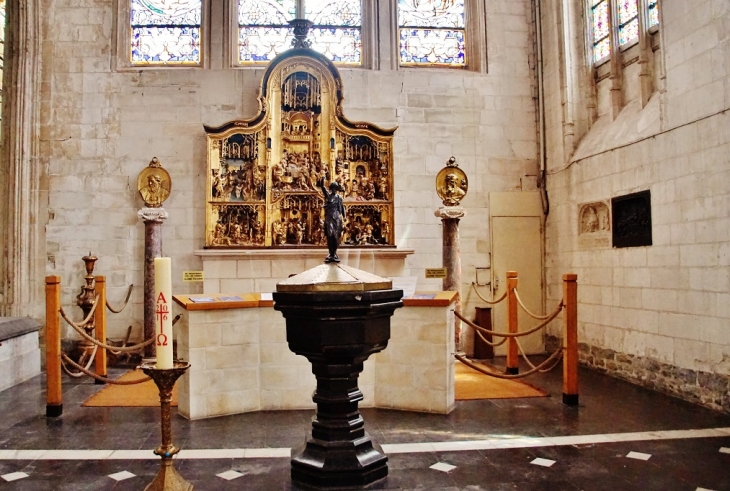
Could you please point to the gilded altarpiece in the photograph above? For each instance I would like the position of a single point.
(265, 173)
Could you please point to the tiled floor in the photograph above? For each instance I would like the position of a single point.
(621, 438)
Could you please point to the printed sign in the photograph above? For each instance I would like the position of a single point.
(189, 276)
(435, 272)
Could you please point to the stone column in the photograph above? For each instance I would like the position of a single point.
(153, 218)
(451, 254)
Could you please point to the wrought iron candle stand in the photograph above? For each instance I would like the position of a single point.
(167, 479)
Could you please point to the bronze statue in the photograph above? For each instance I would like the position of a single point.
(334, 211)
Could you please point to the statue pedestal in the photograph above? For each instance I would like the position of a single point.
(337, 331)
(153, 218)
(451, 255)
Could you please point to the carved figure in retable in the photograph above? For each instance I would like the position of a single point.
(334, 212)
(277, 231)
(277, 173)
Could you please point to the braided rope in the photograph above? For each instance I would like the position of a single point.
(100, 378)
(490, 343)
(524, 356)
(534, 316)
(78, 374)
(490, 302)
(120, 349)
(506, 334)
(557, 356)
(88, 317)
(129, 294)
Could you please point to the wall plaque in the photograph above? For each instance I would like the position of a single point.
(264, 173)
(594, 225)
(631, 219)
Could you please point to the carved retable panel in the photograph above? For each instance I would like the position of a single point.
(264, 173)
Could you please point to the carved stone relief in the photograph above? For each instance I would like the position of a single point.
(594, 225)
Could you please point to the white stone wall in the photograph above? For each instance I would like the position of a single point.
(240, 361)
(666, 302)
(100, 127)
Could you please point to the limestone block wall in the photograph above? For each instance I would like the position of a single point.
(241, 362)
(660, 311)
(416, 371)
(99, 127)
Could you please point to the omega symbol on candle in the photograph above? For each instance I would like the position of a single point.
(162, 312)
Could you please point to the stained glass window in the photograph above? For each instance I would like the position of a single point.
(264, 32)
(165, 32)
(628, 21)
(431, 32)
(601, 30)
(627, 12)
(653, 13)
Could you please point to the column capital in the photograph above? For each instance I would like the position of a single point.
(152, 214)
(450, 212)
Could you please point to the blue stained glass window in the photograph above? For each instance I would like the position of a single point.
(432, 32)
(627, 28)
(165, 32)
(601, 30)
(264, 29)
(628, 21)
(653, 13)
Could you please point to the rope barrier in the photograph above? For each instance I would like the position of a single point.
(511, 335)
(103, 379)
(490, 302)
(490, 343)
(527, 311)
(121, 349)
(79, 374)
(124, 342)
(524, 356)
(557, 355)
(88, 317)
(129, 294)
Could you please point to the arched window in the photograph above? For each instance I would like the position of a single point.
(263, 29)
(625, 26)
(165, 33)
(432, 33)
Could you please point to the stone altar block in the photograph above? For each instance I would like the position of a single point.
(240, 361)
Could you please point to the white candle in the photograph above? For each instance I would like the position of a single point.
(300, 9)
(163, 311)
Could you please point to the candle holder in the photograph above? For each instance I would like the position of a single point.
(167, 479)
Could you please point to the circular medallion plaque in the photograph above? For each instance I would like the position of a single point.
(451, 184)
(154, 184)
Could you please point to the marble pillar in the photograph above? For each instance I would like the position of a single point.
(153, 218)
(451, 256)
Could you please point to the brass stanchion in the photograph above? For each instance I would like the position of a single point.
(167, 479)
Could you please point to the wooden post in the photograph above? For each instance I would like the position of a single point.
(54, 395)
(513, 359)
(100, 327)
(570, 339)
